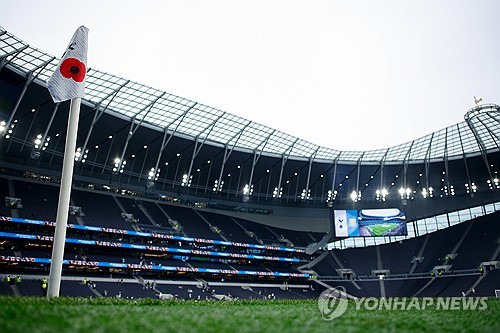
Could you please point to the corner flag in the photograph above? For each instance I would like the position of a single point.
(68, 81)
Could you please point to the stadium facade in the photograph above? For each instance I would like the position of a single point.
(141, 144)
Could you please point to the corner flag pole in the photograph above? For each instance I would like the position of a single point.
(67, 83)
(64, 198)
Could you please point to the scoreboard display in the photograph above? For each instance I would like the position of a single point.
(370, 222)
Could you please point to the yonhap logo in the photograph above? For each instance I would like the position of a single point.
(332, 303)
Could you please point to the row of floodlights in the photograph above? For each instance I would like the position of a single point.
(3, 128)
(381, 194)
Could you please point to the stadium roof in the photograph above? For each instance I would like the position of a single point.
(146, 105)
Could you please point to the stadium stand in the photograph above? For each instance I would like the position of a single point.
(192, 223)
(200, 220)
(39, 201)
(76, 289)
(485, 231)
(298, 238)
(228, 227)
(261, 231)
(132, 207)
(437, 251)
(99, 210)
(489, 284)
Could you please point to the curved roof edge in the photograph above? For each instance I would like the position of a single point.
(140, 103)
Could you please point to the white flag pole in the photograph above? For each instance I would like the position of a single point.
(64, 198)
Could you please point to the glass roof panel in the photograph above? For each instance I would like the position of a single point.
(420, 148)
(437, 144)
(195, 119)
(352, 156)
(374, 155)
(453, 145)
(398, 153)
(327, 153)
(468, 140)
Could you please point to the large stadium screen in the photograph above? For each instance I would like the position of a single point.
(370, 223)
(346, 223)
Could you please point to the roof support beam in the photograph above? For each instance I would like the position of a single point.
(405, 165)
(228, 152)
(446, 169)
(335, 163)
(464, 156)
(29, 79)
(284, 159)
(107, 155)
(49, 125)
(166, 141)
(382, 164)
(141, 174)
(494, 136)
(162, 147)
(311, 158)
(481, 145)
(256, 156)
(40, 67)
(358, 172)
(98, 112)
(134, 127)
(13, 53)
(197, 149)
(113, 94)
(28, 132)
(495, 116)
(427, 162)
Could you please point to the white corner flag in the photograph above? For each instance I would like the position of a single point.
(68, 81)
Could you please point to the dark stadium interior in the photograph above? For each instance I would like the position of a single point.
(174, 199)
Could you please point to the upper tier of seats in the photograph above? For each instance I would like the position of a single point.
(101, 209)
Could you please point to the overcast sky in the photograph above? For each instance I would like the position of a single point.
(350, 75)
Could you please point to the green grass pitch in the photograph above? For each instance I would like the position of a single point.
(29, 315)
(381, 229)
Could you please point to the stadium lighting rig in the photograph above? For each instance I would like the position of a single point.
(330, 197)
(493, 184)
(306, 194)
(247, 192)
(185, 181)
(119, 165)
(355, 196)
(471, 189)
(81, 156)
(427, 193)
(218, 186)
(8, 129)
(152, 175)
(405, 193)
(38, 141)
(381, 194)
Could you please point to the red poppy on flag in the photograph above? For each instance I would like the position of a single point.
(68, 80)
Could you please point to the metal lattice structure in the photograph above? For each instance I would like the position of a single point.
(144, 105)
